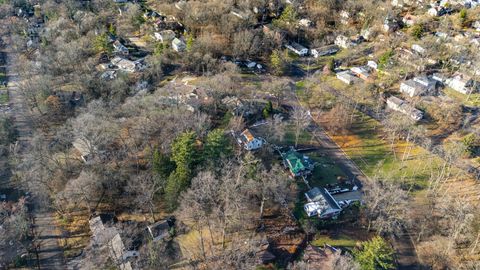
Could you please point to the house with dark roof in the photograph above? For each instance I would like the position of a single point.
(324, 51)
(161, 229)
(402, 106)
(321, 204)
(120, 48)
(297, 48)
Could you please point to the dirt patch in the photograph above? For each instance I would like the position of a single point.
(284, 235)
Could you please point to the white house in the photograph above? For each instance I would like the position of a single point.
(412, 88)
(361, 72)
(249, 142)
(297, 49)
(324, 51)
(418, 86)
(476, 25)
(390, 24)
(419, 49)
(321, 204)
(439, 77)
(399, 105)
(462, 83)
(126, 64)
(344, 42)
(400, 3)
(178, 45)
(120, 48)
(368, 33)
(344, 17)
(108, 238)
(305, 23)
(164, 36)
(372, 65)
(347, 77)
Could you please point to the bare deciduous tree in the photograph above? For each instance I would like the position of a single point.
(386, 207)
(144, 188)
(301, 120)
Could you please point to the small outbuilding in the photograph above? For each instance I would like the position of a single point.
(347, 77)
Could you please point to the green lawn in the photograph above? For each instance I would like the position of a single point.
(4, 98)
(325, 172)
(341, 241)
(473, 100)
(305, 137)
(405, 163)
(3, 77)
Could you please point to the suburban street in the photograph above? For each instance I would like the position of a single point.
(49, 252)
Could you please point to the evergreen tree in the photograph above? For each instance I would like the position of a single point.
(185, 156)
(162, 166)
(277, 62)
(267, 110)
(189, 42)
(102, 44)
(288, 17)
(376, 254)
(216, 145)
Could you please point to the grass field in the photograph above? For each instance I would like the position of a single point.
(340, 241)
(403, 162)
(4, 98)
(473, 100)
(325, 172)
(3, 78)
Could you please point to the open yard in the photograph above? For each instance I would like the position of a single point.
(402, 162)
(341, 241)
(472, 100)
(4, 98)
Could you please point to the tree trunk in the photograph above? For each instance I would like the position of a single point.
(262, 204)
(151, 211)
(472, 251)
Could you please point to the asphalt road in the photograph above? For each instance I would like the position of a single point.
(50, 254)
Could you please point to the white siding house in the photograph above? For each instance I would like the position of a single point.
(249, 142)
(344, 42)
(347, 77)
(178, 45)
(462, 83)
(164, 36)
(399, 105)
(297, 49)
(321, 204)
(323, 51)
